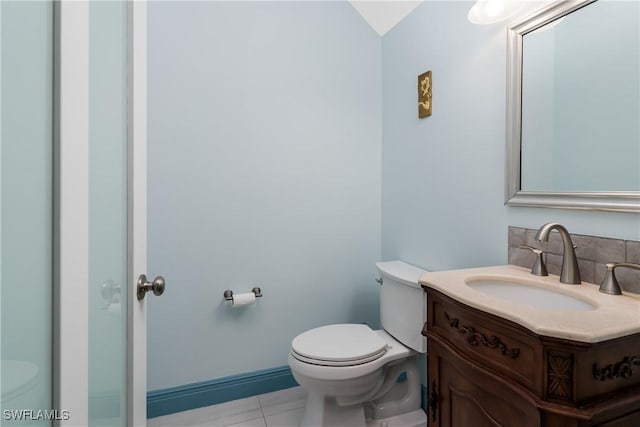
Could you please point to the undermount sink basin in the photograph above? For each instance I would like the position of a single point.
(528, 294)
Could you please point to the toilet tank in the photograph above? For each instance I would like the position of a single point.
(403, 303)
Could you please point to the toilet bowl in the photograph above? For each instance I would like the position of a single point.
(355, 376)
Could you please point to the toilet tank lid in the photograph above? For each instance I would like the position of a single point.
(400, 272)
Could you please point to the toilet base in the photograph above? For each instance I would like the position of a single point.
(416, 418)
(378, 399)
(322, 411)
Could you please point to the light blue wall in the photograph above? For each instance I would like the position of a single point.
(264, 169)
(443, 176)
(265, 144)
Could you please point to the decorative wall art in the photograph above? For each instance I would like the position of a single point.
(424, 94)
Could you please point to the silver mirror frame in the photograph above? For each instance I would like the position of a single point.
(620, 201)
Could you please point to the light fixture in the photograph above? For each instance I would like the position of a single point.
(494, 7)
(492, 11)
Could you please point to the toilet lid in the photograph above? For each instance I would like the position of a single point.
(340, 345)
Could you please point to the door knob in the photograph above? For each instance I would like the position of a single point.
(157, 286)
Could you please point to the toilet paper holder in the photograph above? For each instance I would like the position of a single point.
(228, 295)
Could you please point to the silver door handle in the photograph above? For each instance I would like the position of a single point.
(157, 286)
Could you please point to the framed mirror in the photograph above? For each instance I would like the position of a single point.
(573, 107)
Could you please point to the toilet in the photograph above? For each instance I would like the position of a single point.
(355, 376)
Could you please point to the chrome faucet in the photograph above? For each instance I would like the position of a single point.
(570, 272)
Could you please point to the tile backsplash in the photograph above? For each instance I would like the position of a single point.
(593, 253)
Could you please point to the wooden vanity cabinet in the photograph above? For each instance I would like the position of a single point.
(487, 371)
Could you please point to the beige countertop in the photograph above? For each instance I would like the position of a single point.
(613, 316)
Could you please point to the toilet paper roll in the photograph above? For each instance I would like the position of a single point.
(243, 299)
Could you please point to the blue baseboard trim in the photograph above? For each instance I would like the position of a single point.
(196, 395)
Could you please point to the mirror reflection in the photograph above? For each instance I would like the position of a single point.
(581, 101)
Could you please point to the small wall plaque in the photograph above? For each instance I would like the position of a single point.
(424, 94)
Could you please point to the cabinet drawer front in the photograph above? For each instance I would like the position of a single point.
(496, 346)
(609, 366)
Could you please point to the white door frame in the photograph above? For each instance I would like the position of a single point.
(71, 213)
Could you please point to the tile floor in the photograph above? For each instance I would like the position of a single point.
(278, 409)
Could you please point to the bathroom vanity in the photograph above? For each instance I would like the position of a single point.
(496, 362)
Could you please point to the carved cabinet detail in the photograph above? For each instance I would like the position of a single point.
(487, 371)
(560, 375)
(622, 369)
(476, 338)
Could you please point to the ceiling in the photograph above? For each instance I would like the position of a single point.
(383, 15)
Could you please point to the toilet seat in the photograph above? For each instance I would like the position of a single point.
(318, 370)
(339, 345)
(335, 363)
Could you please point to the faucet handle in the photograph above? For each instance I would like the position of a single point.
(539, 268)
(610, 284)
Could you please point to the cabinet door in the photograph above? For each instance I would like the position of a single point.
(629, 420)
(468, 396)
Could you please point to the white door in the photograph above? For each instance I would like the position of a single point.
(100, 342)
